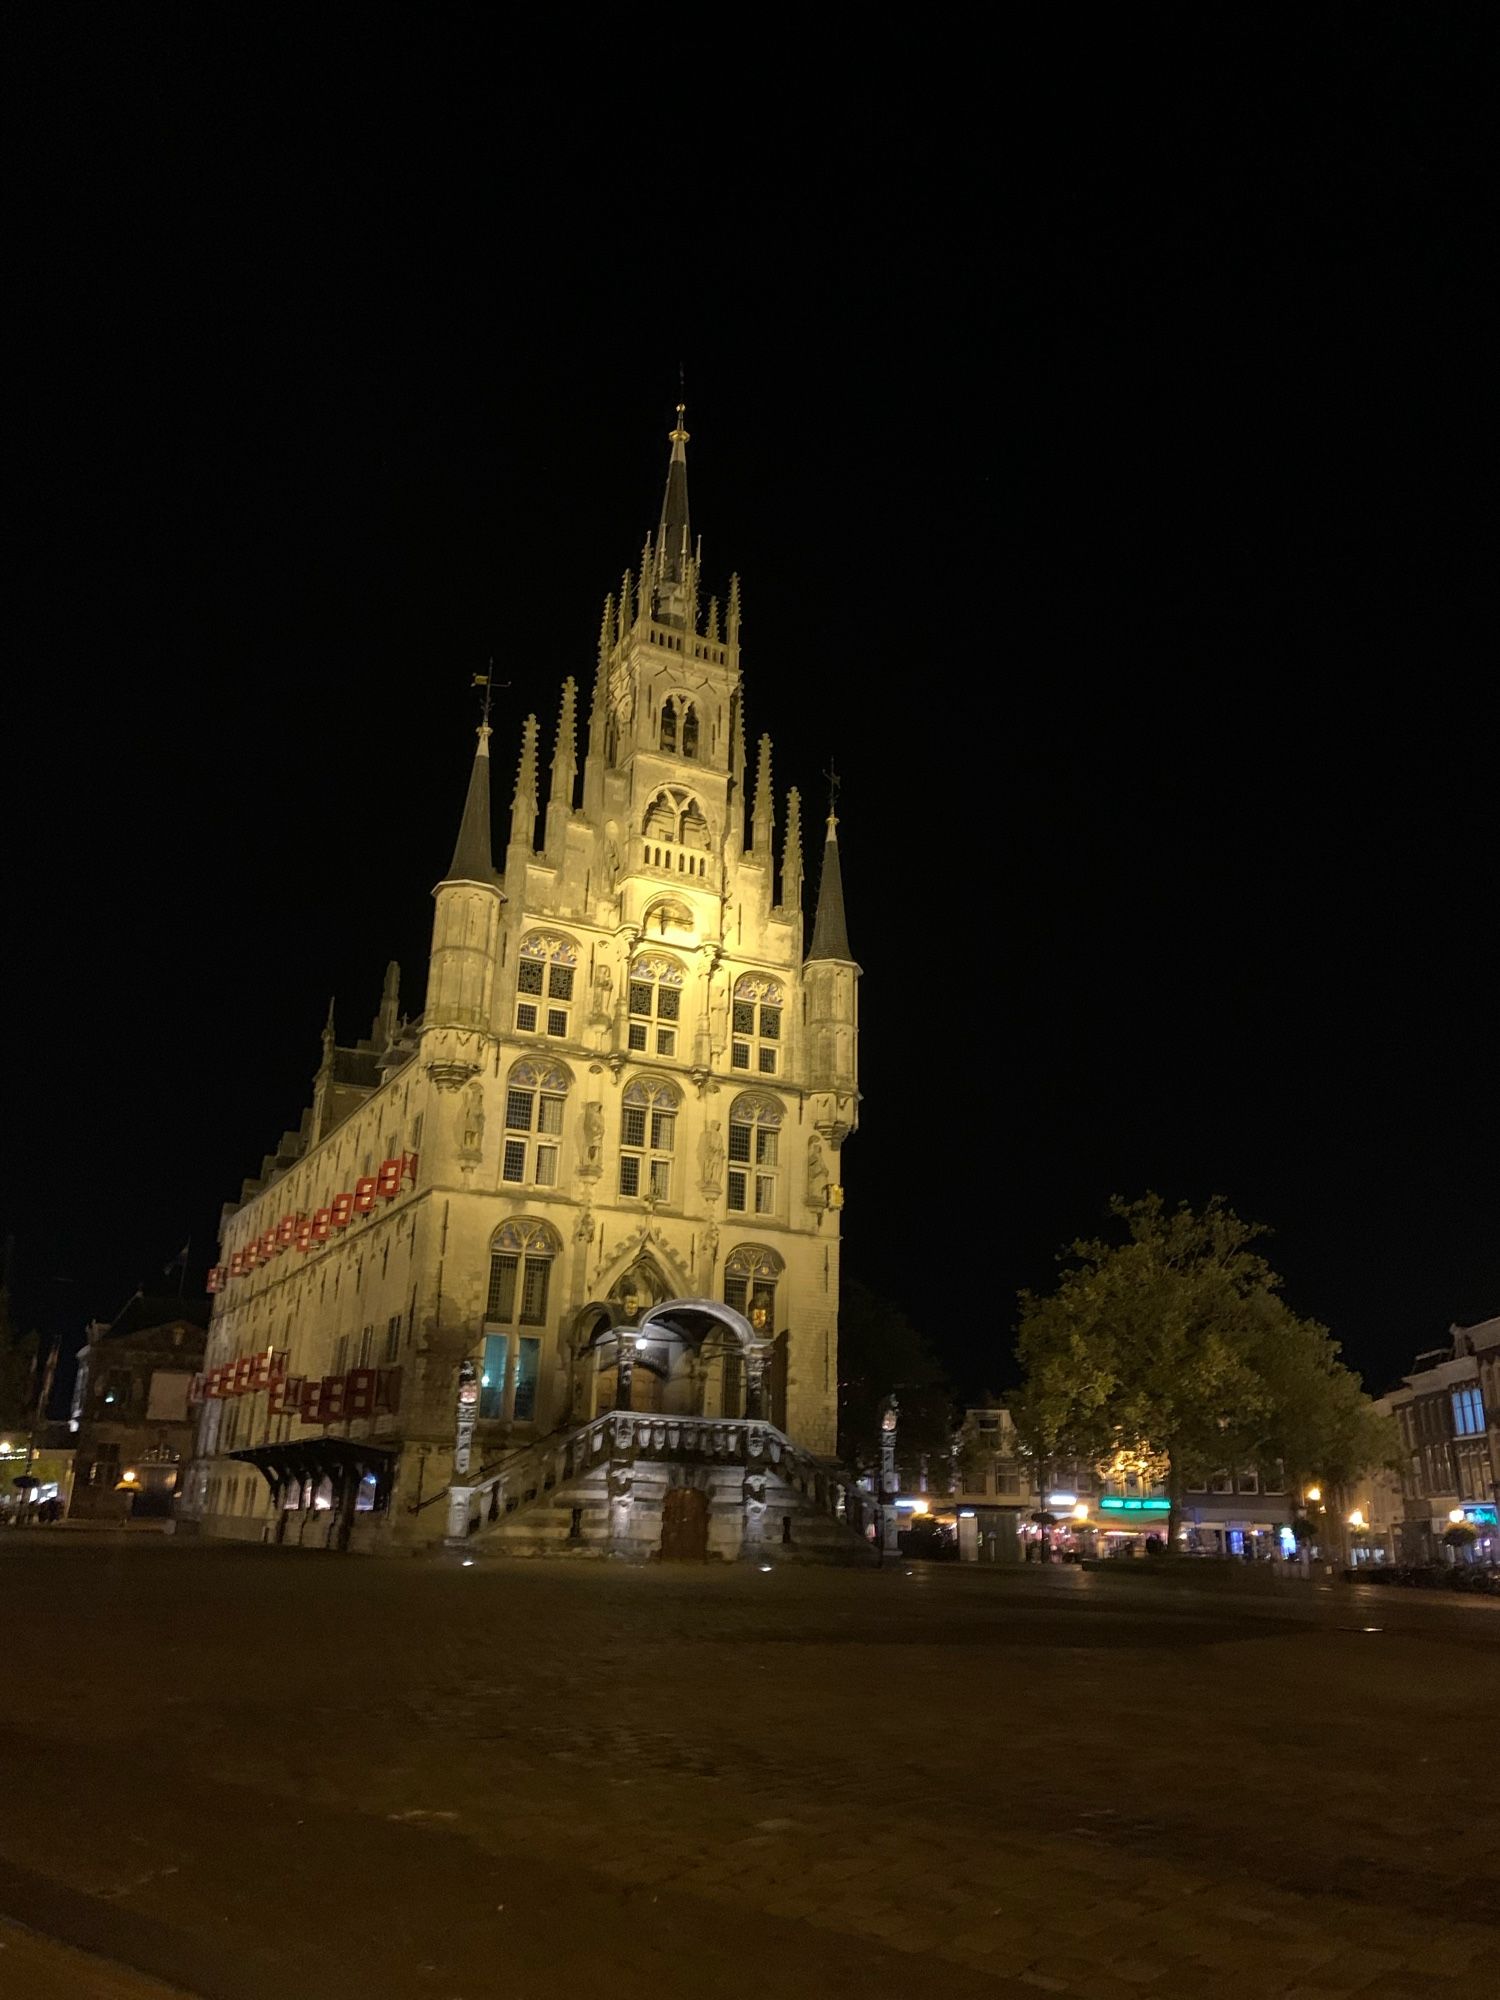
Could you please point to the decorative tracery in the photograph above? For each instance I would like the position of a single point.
(656, 984)
(648, 1137)
(754, 1154)
(755, 1023)
(535, 1093)
(751, 1274)
(545, 973)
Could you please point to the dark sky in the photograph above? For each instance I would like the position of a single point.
(1097, 424)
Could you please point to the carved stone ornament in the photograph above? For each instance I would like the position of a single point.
(450, 1074)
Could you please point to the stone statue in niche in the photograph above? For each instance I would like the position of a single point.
(603, 991)
(593, 1136)
(711, 1154)
(709, 1253)
(817, 1173)
(472, 1120)
(611, 860)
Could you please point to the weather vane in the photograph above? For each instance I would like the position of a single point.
(488, 683)
(833, 789)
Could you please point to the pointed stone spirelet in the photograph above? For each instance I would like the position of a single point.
(733, 633)
(523, 800)
(791, 859)
(565, 751)
(713, 620)
(763, 812)
(830, 932)
(627, 606)
(472, 857)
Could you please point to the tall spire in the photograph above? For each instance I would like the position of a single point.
(763, 812)
(674, 541)
(791, 855)
(830, 932)
(472, 859)
(523, 799)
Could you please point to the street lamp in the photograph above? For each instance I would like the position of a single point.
(1456, 1515)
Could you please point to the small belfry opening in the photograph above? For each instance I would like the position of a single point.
(679, 726)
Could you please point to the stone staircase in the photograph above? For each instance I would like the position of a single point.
(606, 1489)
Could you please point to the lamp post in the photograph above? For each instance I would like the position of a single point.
(888, 1483)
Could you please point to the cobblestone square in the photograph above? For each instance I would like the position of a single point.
(242, 1773)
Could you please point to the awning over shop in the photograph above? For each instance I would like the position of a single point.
(343, 1462)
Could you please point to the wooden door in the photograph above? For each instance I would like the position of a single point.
(684, 1525)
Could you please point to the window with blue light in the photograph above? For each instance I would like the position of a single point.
(1468, 1413)
(527, 1369)
(492, 1374)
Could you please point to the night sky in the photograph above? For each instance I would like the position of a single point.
(1097, 425)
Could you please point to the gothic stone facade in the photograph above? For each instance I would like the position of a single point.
(631, 1084)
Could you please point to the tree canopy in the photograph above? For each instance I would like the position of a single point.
(1176, 1345)
(881, 1353)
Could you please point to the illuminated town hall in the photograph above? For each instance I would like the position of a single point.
(557, 1261)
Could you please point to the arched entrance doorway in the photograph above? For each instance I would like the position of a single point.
(678, 1357)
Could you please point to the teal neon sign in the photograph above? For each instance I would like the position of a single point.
(1113, 1506)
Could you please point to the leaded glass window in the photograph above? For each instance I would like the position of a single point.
(751, 1275)
(754, 1155)
(519, 1294)
(755, 1025)
(655, 1004)
(535, 1093)
(648, 1137)
(545, 975)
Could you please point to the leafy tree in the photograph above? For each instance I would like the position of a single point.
(881, 1353)
(17, 1369)
(1176, 1345)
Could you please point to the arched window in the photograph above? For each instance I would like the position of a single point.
(751, 1275)
(544, 984)
(648, 1137)
(754, 1154)
(655, 1004)
(755, 1041)
(521, 1255)
(677, 833)
(534, 1096)
(679, 726)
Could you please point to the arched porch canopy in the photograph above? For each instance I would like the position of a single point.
(691, 1321)
(695, 1319)
(684, 1356)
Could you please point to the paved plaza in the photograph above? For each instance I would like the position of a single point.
(239, 1774)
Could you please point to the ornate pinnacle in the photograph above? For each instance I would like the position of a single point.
(564, 754)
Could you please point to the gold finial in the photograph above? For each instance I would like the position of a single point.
(680, 434)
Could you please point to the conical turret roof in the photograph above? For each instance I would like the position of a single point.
(473, 859)
(830, 932)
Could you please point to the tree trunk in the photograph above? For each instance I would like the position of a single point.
(1174, 1504)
